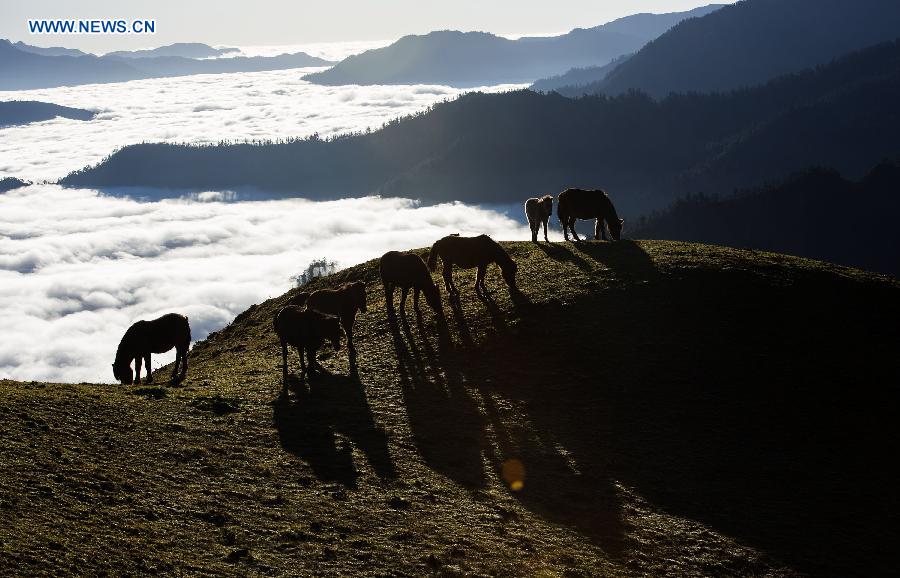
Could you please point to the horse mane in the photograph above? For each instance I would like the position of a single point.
(122, 353)
(501, 256)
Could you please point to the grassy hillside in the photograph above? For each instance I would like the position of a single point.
(678, 409)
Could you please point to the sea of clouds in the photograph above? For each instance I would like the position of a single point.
(205, 108)
(77, 267)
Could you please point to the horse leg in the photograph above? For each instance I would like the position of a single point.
(184, 363)
(599, 231)
(313, 364)
(534, 229)
(479, 280)
(545, 230)
(348, 330)
(416, 292)
(389, 298)
(447, 273)
(403, 293)
(302, 363)
(137, 369)
(572, 222)
(149, 367)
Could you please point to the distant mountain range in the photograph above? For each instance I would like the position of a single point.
(182, 49)
(570, 83)
(478, 58)
(815, 214)
(26, 69)
(749, 42)
(505, 147)
(52, 51)
(18, 112)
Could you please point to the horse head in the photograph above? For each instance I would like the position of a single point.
(358, 289)
(432, 296)
(123, 373)
(547, 204)
(508, 270)
(615, 228)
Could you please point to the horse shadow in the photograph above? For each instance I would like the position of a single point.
(332, 404)
(458, 401)
(561, 252)
(626, 258)
(446, 424)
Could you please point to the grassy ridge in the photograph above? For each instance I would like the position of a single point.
(678, 409)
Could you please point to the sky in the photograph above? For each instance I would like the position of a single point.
(264, 22)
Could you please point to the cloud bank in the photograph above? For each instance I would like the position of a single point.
(77, 267)
(203, 108)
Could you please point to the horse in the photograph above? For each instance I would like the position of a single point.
(407, 270)
(588, 204)
(147, 337)
(468, 253)
(342, 302)
(305, 329)
(538, 212)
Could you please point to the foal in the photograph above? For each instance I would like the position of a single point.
(147, 337)
(306, 330)
(469, 253)
(538, 212)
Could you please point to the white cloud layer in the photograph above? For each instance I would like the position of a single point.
(77, 267)
(204, 108)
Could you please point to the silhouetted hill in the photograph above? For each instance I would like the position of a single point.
(24, 70)
(752, 41)
(51, 51)
(816, 214)
(182, 49)
(506, 147)
(570, 83)
(668, 408)
(10, 183)
(15, 112)
(477, 58)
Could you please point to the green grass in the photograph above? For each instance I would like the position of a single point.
(678, 409)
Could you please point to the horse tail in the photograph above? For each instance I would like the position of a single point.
(432, 256)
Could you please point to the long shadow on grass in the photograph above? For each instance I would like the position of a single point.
(307, 426)
(626, 258)
(446, 424)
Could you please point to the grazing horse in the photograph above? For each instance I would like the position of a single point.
(147, 337)
(468, 253)
(407, 270)
(538, 212)
(342, 302)
(581, 204)
(306, 330)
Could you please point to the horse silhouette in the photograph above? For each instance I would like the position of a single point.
(538, 212)
(147, 337)
(306, 330)
(342, 302)
(588, 204)
(469, 253)
(407, 270)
